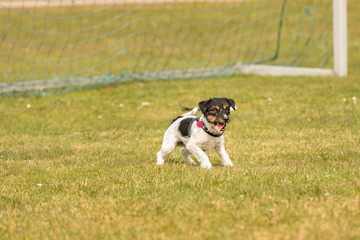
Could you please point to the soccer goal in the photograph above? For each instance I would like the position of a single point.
(51, 46)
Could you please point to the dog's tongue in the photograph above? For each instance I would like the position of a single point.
(219, 127)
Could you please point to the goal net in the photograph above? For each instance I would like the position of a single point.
(49, 46)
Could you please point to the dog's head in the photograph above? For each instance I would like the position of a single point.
(217, 111)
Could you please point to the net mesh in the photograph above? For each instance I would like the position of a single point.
(57, 46)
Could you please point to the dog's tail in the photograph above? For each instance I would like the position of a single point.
(183, 108)
(191, 113)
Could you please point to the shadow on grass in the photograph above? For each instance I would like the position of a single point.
(8, 201)
(177, 161)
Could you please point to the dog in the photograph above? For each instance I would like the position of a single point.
(198, 134)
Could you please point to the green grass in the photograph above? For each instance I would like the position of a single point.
(296, 159)
(296, 173)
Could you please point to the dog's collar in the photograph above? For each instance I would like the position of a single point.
(201, 124)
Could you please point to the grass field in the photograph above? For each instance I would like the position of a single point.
(82, 165)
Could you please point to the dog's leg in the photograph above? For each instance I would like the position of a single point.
(167, 147)
(200, 155)
(186, 155)
(225, 159)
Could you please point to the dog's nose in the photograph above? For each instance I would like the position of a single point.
(226, 118)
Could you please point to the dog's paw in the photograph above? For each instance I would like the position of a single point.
(159, 159)
(229, 164)
(206, 165)
(158, 163)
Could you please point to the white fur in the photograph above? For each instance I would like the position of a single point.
(198, 142)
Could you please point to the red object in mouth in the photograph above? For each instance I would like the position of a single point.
(199, 124)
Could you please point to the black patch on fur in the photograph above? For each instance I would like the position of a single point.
(176, 119)
(184, 127)
(204, 105)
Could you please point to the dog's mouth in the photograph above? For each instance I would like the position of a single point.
(219, 122)
(220, 127)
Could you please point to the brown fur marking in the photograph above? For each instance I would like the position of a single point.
(211, 118)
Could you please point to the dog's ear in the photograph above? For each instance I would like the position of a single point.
(204, 105)
(232, 103)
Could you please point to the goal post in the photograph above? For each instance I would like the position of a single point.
(54, 46)
(340, 37)
(339, 17)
